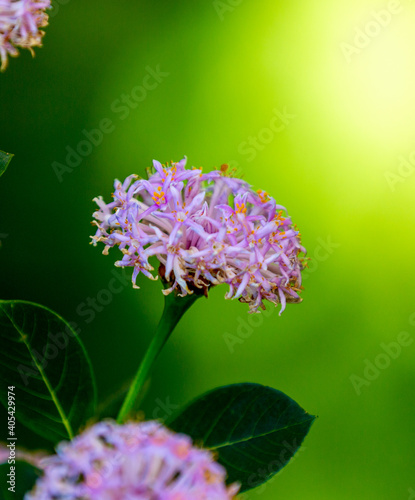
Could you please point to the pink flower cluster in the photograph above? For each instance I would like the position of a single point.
(20, 21)
(135, 461)
(205, 229)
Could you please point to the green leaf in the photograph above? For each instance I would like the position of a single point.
(42, 357)
(25, 476)
(253, 429)
(5, 159)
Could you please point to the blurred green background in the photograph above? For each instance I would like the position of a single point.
(311, 101)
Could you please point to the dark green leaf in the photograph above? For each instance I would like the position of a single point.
(5, 159)
(42, 357)
(254, 430)
(25, 476)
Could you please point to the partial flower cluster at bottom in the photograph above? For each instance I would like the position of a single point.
(135, 461)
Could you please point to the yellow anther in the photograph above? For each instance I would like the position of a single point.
(263, 196)
(240, 208)
(158, 197)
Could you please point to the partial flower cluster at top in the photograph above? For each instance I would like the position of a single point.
(20, 21)
(205, 229)
(135, 461)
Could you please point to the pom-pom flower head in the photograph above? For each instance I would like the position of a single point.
(205, 229)
(20, 23)
(138, 461)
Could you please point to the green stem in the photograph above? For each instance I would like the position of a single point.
(174, 308)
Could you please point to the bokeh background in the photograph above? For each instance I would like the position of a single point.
(311, 101)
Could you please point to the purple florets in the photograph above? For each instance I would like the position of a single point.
(205, 229)
(20, 21)
(135, 461)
